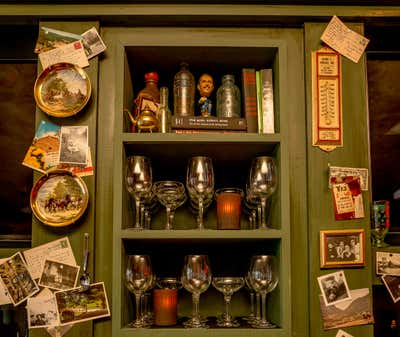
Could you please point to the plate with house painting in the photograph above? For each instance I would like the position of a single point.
(59, 198)
(62, 89)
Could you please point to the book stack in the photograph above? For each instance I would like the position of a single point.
(258, 100)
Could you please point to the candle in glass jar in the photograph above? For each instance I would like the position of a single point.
(165, 303)
(228, 208)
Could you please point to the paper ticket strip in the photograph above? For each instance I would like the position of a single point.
(327, 130)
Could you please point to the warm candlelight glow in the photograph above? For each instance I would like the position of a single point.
(228, 208)
(165, 306)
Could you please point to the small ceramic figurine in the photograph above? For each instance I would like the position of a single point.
(205, 87)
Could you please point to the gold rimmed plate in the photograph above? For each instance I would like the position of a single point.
(59, 198)
(62, 89)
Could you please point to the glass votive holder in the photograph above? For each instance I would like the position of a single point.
(165, 304)
(229, 202)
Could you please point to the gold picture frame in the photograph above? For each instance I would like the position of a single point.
(342, 248)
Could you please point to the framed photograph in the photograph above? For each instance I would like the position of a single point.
(334, 288)
(388, 263)
(59, 276)
(342, 248)
(392, 284)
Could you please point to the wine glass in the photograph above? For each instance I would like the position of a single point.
(196, 278)
(380, 222)
(138, 278)
(228, 286)
(263, 277)
(252, 316)
(138, 179)
(171, 194)
(200, 183)
(262, 182)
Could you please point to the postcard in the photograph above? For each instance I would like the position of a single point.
(42, 310)
(58, 331)
(355, 311)
(71, 53)
(58, 250)
(93, 43)
(392, 284)
(74, 145)
(4, 298)
(50, 38)
(387, 263)
(59, 276)
(17, 279)
(339, 171)
(75, 305)
(334, 288)
(44, 150)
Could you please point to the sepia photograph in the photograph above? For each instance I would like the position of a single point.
(392, 284)
(334, 288)
(74, 144)
(93, 43)
(342, 248)
(355, 311)
(17, 279)
(59, 276)
(42, 310)
(75, 305)
(387, 263)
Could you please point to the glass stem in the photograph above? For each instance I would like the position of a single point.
(251, 304)
(201, 212)
(169, 224)
(137, 215)
(259, 214)
(228, 308)
(263, 213)
(258, 307)
(138, 301)
(264, 307)
(196, 301)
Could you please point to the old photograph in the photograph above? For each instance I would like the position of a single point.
(59, 276)
(342, 248)
(392, 284)
(42, 310)
(334, 288)
(355, 311)
(387, 263)
(17, 279)
(76, 305)
(74, 144)
(93, 43)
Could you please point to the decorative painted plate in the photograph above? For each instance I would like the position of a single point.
(62, 89)
(59, 198)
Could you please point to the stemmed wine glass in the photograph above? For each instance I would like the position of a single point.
(200, 183)
(171, 194)
(138, 179)
(138, 278)
(263, 276)
(262, 182)
(228, 286)
(196, 278)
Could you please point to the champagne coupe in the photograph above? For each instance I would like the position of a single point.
(138, 278)
(200, 183)
(263, 182)
(171, 194)
(228, 286)
(138, 179)
(263, 277)
(196, 278)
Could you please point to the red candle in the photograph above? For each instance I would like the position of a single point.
(165, 303)
(228, 208)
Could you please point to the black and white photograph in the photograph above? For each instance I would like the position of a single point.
(334, 288)
(388, 263)
(75, 305)
(352, 312)
(93, 43)
(342, 248)
(392, 284)
(42, 310)
(74, 144)
(59, 276)
(17, 279)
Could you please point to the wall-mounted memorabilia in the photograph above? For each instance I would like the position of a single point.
(62, 90)
(59, 198)
(342, 248)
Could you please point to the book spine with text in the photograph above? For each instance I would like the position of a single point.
(249, 92)
(208, 123)
(267, 101)
(259, 101)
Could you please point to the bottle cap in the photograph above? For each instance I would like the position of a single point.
(152, 76)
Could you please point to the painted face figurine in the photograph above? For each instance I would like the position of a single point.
(205, 87)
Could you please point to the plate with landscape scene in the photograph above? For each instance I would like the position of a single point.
(62, 89)
(59, 198)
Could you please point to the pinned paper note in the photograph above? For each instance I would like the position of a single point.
(344, 40)
(342, 333)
